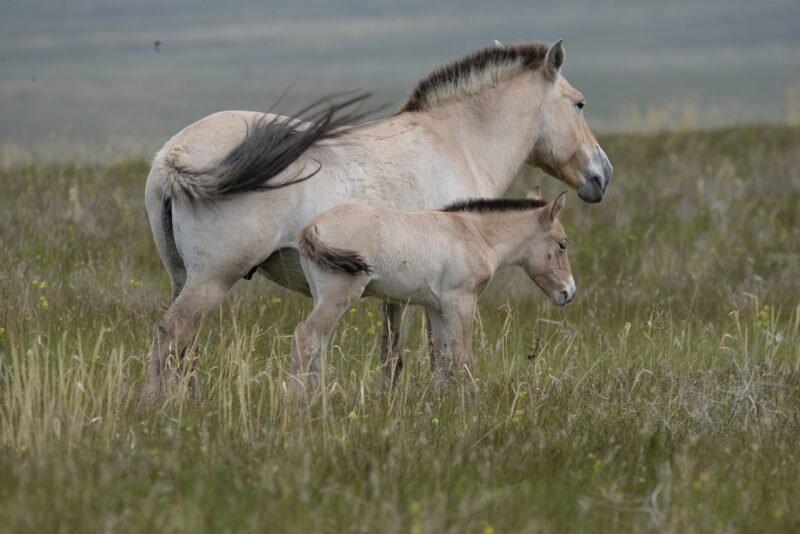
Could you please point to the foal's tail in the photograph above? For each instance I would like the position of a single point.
(335, 259)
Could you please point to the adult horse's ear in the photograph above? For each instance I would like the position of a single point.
(536, 193)
(557, 205)
(498, 44)
(553, 60)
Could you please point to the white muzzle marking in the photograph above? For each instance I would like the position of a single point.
(566, 293)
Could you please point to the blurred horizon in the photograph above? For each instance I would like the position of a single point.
(86, 78)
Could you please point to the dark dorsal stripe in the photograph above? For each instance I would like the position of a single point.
(525, 56)
(483, 205)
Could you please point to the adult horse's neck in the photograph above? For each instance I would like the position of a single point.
(495, 130)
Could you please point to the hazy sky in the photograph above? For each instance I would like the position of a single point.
(87, 70)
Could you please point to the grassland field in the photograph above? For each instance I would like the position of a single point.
(666, 397)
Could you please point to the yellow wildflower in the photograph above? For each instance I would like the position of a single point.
(517, 417)
(763, 315)
(414, 509)
(701, 482)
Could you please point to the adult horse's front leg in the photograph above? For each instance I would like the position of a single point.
(175, 333)
(396, 320)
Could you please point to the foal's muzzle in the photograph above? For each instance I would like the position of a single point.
(565, 295)
(596, 177)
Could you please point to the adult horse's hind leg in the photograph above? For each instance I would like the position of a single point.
(395, 331)
(175, 333)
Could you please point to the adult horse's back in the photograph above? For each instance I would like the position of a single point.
(227, 195)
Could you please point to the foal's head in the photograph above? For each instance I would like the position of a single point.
(546, 259)
(566, 148)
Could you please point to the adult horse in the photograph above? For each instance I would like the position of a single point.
(227, 195)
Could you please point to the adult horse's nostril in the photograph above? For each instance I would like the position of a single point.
(598, 181)
(565, 296)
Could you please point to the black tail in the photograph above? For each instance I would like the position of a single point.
(169, 251)
(271, 145)
(335, 259)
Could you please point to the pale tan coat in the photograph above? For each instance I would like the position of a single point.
(439, 260)
(466, 145)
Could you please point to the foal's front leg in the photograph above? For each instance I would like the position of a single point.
(451, 337)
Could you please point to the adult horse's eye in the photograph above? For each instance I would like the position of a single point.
(562, 246)
(580, 104)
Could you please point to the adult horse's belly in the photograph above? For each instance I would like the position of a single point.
(283, 268)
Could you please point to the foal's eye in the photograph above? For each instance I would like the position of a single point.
(580, 104)
(562, 246)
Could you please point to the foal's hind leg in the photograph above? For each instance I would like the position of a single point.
(395, 331)
(333, 293)
(174, 334)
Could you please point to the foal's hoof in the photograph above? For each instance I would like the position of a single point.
(296, 388)
(151, 395)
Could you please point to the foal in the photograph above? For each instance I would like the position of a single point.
(442, 260)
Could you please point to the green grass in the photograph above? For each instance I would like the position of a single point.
(666, 397)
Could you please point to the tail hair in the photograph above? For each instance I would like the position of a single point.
(335, 259)
(270, 145)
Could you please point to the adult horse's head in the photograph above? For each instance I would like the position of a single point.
(565, 146)
(518, 100)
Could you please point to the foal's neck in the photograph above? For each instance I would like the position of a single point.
(506, 233)
(496, 129)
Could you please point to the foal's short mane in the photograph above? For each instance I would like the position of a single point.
(473, 73)
(483, 205)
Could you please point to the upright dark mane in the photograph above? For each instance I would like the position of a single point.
(473, 73)
(483, 205)
(272, 144)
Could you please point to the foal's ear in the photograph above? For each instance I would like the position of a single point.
(557, 205)
(535, 194)
(553, 60)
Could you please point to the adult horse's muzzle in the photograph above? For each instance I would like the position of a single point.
(596, 177)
